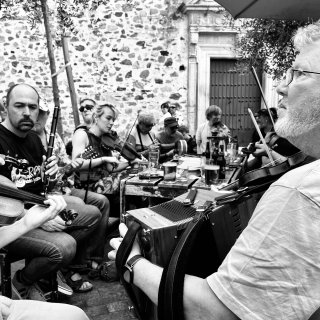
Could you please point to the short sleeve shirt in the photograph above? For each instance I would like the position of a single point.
(273, 270)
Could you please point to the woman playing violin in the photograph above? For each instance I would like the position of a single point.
(97, 170)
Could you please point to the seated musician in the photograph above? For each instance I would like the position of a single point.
(29, 220)
(167, 139)
(53, 245)
(142, 136)
(99, 173)
(213, 125)
(273, 269)
(279, 148)
(93, 249)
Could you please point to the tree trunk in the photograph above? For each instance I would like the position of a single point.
(56, 119)
(73, 95)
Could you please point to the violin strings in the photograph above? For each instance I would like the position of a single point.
(20, 195)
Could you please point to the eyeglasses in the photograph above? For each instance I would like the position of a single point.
(293, 74)
(150, 125)
(86, 107)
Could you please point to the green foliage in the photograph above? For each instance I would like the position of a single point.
(268, 42)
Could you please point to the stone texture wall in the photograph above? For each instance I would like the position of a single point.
(133, 52)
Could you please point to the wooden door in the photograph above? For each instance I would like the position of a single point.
(234, 92)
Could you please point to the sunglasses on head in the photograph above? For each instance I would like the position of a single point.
(86, 107)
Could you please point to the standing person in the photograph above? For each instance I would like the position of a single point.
(52, 246)
(173, 110)
(142, 136)
(30, 220)
(167, 139)
(86, 109)
(272, 271)
(212, 125)
(165, 114)
(93, 251)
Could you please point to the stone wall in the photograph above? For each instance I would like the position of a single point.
(133, 52)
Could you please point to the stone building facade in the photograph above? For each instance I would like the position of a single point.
(137, 53)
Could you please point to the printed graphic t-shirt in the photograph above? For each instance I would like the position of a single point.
(28, 150)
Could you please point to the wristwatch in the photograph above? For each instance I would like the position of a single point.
(130, 264)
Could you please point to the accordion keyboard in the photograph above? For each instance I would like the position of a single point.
(174, 211)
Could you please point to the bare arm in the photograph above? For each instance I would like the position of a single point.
(79, 142)
(198, 299)
(33, 218)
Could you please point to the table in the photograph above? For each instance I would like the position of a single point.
(157, 188)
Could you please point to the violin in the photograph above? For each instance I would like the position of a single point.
(13, 200)
(268, 173)
(111, 141)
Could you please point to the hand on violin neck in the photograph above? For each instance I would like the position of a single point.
(37, 215)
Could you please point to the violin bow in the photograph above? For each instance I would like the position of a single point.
(260, 135)
(262, 94)
(128, 134)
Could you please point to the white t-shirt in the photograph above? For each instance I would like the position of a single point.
(273, 270)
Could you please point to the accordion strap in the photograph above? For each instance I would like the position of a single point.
(170, 298)
(121, 259)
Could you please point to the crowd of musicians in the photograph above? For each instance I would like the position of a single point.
(273, 270)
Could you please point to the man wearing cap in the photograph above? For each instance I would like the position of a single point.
(86, 109)
(167, 139)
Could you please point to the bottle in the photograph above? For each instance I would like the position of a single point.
(215, 155)
(207, 153)
(221, 162)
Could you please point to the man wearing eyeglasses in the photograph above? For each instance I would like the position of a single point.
(86, 110)
(273, 269)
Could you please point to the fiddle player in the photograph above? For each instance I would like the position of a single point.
(104, 165)
(93, 249)
(142, 136)
(53, 245)
(29, 220)
(273, 269)
(279, 148)
(169, 136)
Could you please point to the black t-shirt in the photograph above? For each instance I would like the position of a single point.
(30, 149)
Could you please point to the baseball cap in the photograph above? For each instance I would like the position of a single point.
(170, 122)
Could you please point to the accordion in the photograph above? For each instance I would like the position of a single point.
(163, 225)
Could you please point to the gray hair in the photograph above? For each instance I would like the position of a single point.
(306, 35)
(213, 110)
(146, 117)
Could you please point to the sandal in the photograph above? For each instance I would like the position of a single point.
(78, 285)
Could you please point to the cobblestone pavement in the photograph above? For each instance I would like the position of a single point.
(107, 301)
